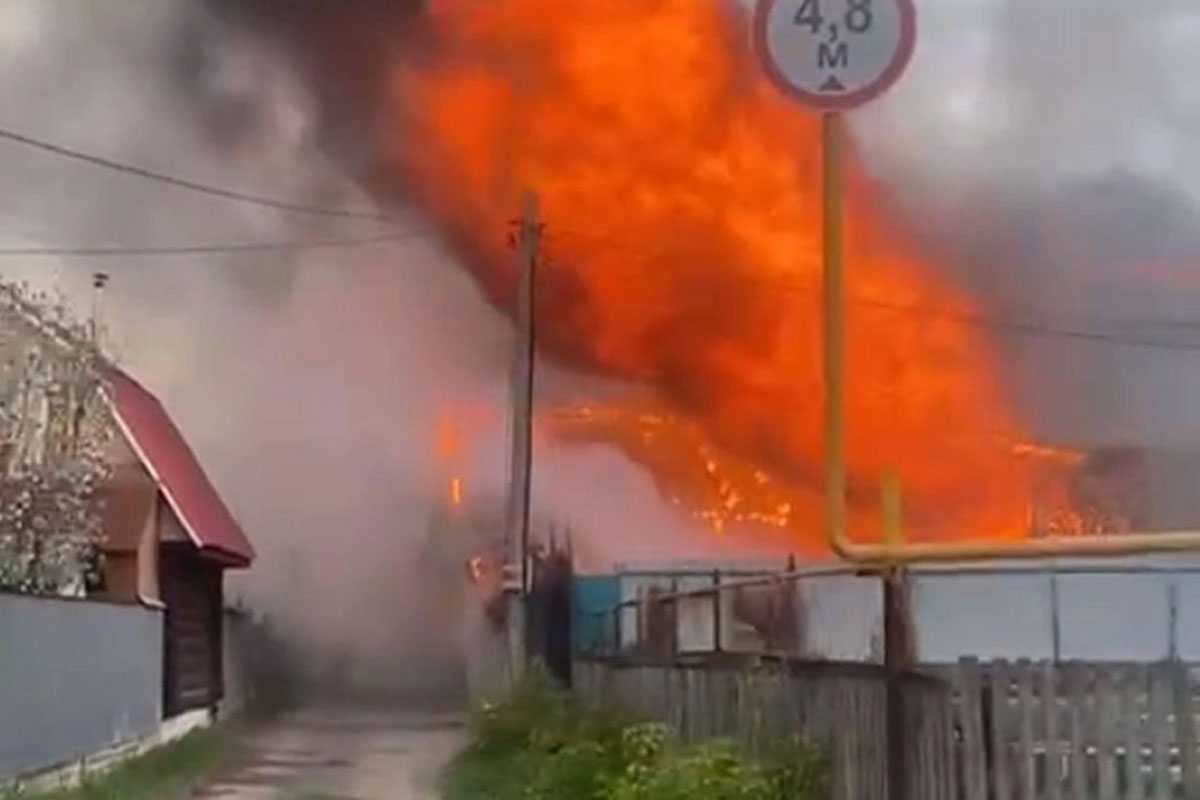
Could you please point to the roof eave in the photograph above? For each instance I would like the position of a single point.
(225, 558)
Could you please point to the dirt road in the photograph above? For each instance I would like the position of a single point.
(340, 754)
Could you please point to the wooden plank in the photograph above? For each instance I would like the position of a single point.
(1076, 700)
(1160, 758)
(675, 706)
(950, 789)
(697, 714)
(919, 768)
(970, 715)
(871, 704)
(1026, 757)
(953, 789)
(701, 713)
(914, 747)
(1106, 733)
(1001, 763)
(1054, 762)
(795, 718)
(932, 771)
(1185, 729)
(1132, 690)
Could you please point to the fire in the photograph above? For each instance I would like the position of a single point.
(713, 485)
(448, 438)
(456, 492)
(682, 203)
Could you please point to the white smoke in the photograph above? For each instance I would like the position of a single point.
(1046, 153)
(308, 383)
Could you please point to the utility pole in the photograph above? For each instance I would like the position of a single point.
(530, 249)
(523, 381)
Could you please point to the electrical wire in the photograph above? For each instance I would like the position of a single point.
(967, 318)
(190, 185)
(211, 249)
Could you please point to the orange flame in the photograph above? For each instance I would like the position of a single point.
(681, 198)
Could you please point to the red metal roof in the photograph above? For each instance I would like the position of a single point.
(166, 455)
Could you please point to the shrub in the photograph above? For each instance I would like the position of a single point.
(536, 715)
(714, 771)
(797, 769)
(540, 745)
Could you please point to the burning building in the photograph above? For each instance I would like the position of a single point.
(681, 257)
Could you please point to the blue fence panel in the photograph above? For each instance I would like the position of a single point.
(594, 595)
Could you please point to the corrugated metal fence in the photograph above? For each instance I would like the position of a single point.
(75, 677)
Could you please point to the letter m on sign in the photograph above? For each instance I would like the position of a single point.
(833, 57)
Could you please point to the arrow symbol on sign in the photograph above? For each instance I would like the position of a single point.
(832, 84)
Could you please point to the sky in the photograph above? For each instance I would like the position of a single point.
(1047, 148)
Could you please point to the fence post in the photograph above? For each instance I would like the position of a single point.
(1107, 719)
(1028, 760)
(970, 712)
(1055, 628)
(1134, 688)
(641, 619)
(674, 618)
(1173, 619)
(716, 578)
(1185, 729)
(1001, 763)
(1161, 756)
(1076, 693)
(1054, 755)
(897, 652)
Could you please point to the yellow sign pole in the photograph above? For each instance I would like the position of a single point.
(893, 512)
(833, 315)
(894, 549)
(777, 30)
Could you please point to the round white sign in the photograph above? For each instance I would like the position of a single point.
(835, 54)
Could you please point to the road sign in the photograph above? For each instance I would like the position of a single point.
(835, 54)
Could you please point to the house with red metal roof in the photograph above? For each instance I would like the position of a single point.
(169, 539)
(113, 552)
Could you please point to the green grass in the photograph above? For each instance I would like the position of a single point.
(162, 774)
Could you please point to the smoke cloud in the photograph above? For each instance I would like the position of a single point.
(1045, 152)
(308, 382)
(1042, 151)
(311, 384)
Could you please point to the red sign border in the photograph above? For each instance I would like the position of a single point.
(843, 102)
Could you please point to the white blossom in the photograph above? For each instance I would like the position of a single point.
(55, 430)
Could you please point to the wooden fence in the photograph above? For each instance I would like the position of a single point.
(995, 731)
(842, 706)
(1074, 731)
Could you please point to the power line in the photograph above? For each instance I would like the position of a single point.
(195, 186)
(966, 318)
(1031, 328)
(210, 249)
